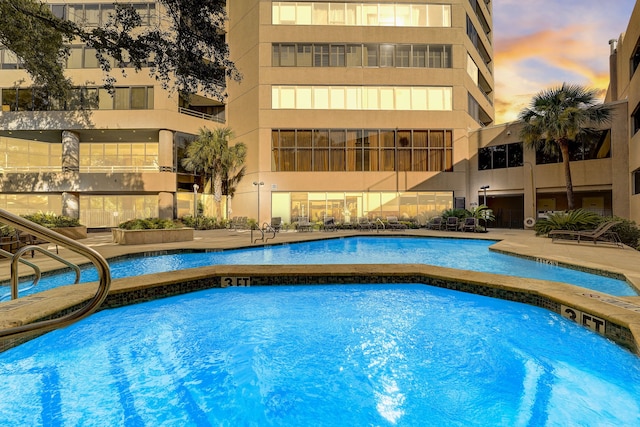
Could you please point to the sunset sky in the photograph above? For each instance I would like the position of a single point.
(541, 44)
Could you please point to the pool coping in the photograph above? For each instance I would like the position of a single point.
(617, 318)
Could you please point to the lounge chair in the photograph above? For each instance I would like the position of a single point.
(435, 223)
(329, 224)
(452, 223)
(304, 224)
(364, 224)
(602, 233)
(276, 223)
(470, 224)
(394, 224)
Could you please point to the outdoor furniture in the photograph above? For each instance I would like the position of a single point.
(452, 223)
(602, 233)
(329, 224)
(435, 223)
(303, 224)
(470, 224)
(394, 224)
(364, 224)
(276, 223)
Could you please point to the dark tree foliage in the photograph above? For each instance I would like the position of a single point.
(188, 49)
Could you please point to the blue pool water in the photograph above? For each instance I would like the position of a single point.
(464, 254)
(341, 355)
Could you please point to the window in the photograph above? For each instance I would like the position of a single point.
(386, 55)
(371, 55)
(305, 56)
(360, 14)
(500, 156)
(287, 55)
(321, 55)
(635, 59)
(636, 181)
(357, 55)
(354, 56)
(403, 56)
(337, 58)
(362, 150)
(635, 117)
(398, 98)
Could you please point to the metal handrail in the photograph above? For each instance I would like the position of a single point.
(36, 269)
(96, 259)
(17, 257)
(378, 220)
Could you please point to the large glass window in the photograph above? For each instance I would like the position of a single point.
(347, 207)
(118, 157)
(361, 14)
(400, 98)
(500, 156)
(362, 150)
(102, 211)
(339, 55)
(20, 155)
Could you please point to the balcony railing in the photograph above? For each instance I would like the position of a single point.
(200, 115)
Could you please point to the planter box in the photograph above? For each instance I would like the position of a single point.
(145, 237)
(74, 233)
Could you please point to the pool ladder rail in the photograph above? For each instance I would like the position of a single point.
(48, 235)
(266, 228)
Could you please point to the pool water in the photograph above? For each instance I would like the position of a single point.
(464, 254)
(341, 355)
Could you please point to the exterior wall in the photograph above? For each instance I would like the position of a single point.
(250, 115)
(626, 88)
(155, 125)
(251, 35)
(591, 178)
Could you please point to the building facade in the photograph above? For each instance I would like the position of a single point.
(353, 109)
(348, 109)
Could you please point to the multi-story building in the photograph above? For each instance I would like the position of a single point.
(348, 109)
(363, 108)
(100, 157)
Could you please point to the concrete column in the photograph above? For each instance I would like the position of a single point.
(71, 204)
(165, 205)
(70, 151)
(165, 151)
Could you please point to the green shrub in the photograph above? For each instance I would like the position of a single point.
(627, 230)
(51, 220)
(578, 219)
(203, 222)
(149, 224)
(7, 230)
(457, 212)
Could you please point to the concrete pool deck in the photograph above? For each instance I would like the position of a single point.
(617, 318)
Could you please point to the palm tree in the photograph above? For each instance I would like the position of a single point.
(234, 171)
(556, 117)
(210, 154)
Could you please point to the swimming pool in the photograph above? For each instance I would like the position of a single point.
(465, 254)
(338, 355)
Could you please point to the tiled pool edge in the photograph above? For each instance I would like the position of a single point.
(620, 317)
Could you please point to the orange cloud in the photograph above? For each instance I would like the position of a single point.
(563, 49)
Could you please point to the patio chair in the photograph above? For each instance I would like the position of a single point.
(602, 233)
(276, 223)
(470, 224)
(329, 224)
(452, 223)
(435, 223)
(364, 224)
(394, 224)
(304, 224)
